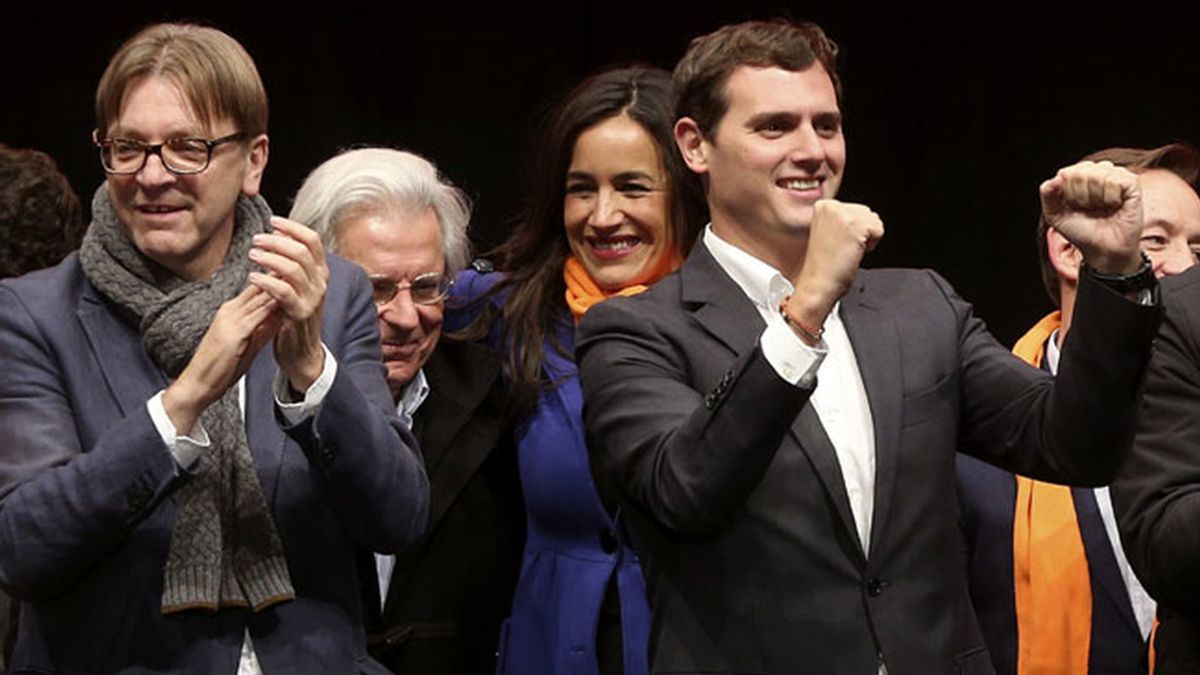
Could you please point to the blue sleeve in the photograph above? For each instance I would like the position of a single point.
(375, 480)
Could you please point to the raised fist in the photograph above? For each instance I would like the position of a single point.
(841, 233)
(1098, 207)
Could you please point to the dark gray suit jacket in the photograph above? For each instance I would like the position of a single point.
(86, 491)
(735, 496)
(1157, 493)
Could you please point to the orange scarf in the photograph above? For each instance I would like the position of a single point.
(1053, 589)
(582, 292)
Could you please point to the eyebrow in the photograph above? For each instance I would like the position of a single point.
(1163, 223)
(623, 176)
(773, 116)
(123, 132)
(782, 116)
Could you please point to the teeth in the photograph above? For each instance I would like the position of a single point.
(798, 184)
(614, 244)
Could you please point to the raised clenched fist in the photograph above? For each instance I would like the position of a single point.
(1098, 207)
(840, 235)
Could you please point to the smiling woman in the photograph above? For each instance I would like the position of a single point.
(616, 205)
(613, 210)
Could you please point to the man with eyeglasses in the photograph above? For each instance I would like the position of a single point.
(195, 434)
(435, 608)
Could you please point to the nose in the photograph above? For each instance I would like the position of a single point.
(400, 313)
(808, 148)
(154, 173)
(606, 211)
(1177, 257)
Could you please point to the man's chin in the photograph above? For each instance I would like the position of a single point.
(399, 376)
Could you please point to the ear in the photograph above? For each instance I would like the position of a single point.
(259, 149)
(692, 145)
(1064, 257)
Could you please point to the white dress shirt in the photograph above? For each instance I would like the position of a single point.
(840, 400)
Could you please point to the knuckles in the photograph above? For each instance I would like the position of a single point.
(1092, 182)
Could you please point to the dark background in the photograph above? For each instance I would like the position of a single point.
(954, 113)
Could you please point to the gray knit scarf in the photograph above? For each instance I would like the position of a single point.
(225, 550)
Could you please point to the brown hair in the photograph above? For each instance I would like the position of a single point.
(699, 78)
(211, 69)
(1181, 159)
(534, 254)
(40, 217)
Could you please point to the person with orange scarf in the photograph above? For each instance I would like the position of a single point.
(610, 213)
(1048, 576)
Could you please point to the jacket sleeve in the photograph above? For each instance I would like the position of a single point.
(1157, 494)
(1075, 428)
(375, 479)
(63, 509)
(687, 458)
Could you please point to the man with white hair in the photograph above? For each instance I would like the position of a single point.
(436, 607)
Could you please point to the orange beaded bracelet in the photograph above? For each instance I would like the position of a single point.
(809, 332)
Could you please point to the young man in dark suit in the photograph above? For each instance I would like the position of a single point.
(781, 425)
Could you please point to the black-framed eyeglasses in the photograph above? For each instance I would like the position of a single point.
(180, 156)
(426, 289)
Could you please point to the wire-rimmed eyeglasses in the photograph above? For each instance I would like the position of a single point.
(426, 289)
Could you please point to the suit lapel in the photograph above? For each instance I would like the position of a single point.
(876, 343)
(721, 308)
(460, 376)
(815, 444)
(132, 377)
(724, 311)
(1101, 559)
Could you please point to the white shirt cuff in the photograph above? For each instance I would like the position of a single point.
(186, 449)
(793, 360)
(298, 411)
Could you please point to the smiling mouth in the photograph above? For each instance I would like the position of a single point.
(612, 248)
(800, 183)
(158, 208)
(614, 243)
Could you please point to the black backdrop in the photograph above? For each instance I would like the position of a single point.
(954, 112)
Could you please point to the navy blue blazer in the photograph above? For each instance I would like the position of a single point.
(987, 499)
(86, 491)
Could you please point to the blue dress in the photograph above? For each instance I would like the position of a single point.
(573, 546)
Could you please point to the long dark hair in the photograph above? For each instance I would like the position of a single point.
(534, 254)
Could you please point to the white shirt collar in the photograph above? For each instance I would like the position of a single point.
(412, 397)
(764, 285)
(1053, 352)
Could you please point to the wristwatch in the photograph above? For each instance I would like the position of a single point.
(1141, 280)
